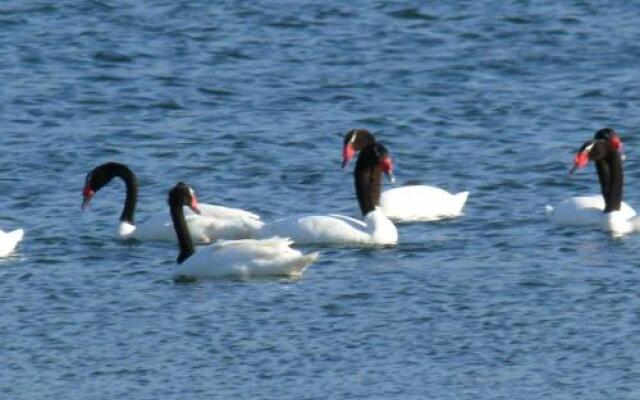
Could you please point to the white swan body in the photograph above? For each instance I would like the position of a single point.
(589, 211)
(215, 222)
(376, 229)
(245, 259)
(417, 203)
(9, 241)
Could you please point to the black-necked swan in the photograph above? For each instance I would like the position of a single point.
(216, 222)
(9, 241)
(605, 210)
(412, 203)
(230, 258)
(376, 229)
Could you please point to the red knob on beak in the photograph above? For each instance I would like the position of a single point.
(580, 161)
(87, 195)
(347, 154)
(194, 204)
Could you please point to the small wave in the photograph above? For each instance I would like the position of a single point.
(413, 13)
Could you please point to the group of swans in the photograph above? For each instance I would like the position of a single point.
(246, 246)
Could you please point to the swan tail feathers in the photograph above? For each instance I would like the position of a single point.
(9, 240)
(302, 262)
(17, 234)
(461, 200)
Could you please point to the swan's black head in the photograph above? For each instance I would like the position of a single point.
(355, 140)
(611, 136)
(183, 195)
(97, 178)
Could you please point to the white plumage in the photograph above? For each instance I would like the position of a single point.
(245, 259)
(376, 229)
(589, 211)
(215, 222)
(417, 203)
(230, 258)
(9, 241)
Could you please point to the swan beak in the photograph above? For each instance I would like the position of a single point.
(87, 195)
(194, 205)
(580, 161)
(347, 154)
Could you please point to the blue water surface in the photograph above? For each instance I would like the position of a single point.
(248, 101)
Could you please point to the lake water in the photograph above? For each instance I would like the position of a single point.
(248, 101)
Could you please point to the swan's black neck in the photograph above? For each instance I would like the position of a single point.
(610, 174)
(176, 203)
(104, 173)
(131, 197)
(604, 177)
(368, 178)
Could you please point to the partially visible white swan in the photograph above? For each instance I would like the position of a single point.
(417, 203)
(9, 241)
(233, 258)
(375, 229)
(413, 203)
(216, 222)
(606, 211)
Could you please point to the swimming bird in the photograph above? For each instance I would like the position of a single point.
(606, 210)
(375, 229)
(230, 258)
(215, 222)
(412, 203)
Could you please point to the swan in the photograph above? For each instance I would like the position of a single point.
(9, 241)
(230, 258)
(412, 203)
(215, 222)
(605, 210)
(375, 229)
